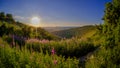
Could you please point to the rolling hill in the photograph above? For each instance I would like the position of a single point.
(53, 29)
(85, 31)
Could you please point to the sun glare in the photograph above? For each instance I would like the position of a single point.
(35, 21)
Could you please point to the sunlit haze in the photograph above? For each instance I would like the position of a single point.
(35, 21)
(56, 12)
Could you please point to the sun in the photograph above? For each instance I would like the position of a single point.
(35, 21)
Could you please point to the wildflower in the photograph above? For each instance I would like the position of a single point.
(55, 61)
(44, 41)
(53, 51)
(37, 40)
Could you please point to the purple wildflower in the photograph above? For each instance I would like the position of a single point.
(55, 61)
(53, 51)
(37, 40)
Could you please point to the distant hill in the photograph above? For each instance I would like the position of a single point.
(76, 32)
(53, 29)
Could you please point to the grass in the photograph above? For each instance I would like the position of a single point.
(38, 54)
(67, 48)
(16, 58)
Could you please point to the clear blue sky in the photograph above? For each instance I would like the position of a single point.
(56, 12)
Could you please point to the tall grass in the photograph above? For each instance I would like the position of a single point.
(67, 48)
(16, 58)
(45, 54)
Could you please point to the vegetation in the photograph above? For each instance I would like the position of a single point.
(20, 32)
(16, 58)
(88, 47)
(108, 56)
(67, 48)
(34, 50)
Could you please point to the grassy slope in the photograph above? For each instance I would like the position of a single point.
(83, 32)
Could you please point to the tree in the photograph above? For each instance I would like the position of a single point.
(111, 24)
(2, 16)
(108, 56)
(2, 29)
(9, 18)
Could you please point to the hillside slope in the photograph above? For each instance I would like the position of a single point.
(85, 31)
(53, 29)
(9, 26)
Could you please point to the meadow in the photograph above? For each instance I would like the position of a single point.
(44, 54)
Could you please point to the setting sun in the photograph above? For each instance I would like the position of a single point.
(35, 21)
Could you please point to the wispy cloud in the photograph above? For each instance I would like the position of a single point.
(21, 18)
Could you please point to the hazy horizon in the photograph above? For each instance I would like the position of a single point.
(56, 13)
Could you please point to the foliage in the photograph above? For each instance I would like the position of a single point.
(105, 58)
(108, 56)
(6, 17)
(111, 26)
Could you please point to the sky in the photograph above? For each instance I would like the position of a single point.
(54, 13)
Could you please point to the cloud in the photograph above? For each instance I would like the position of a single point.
(21, 18)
